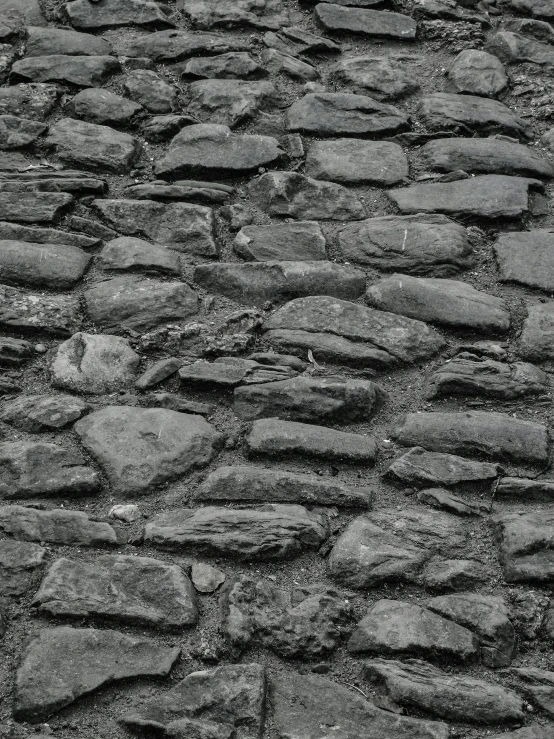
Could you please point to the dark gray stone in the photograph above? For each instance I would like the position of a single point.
(536, 341)
(534, 8)
(103, 107)
(526, 545)
(176, 45)
(149, 90)
(277, 62)
(230, 102)
(525, 489)
(115, 13)
(477, 73)
(422, 468)
(85, 71)
(454, 574)
(29, 100)
(158, 372)
(52, 41)
(383, 78)
(373, 23)
(302, 241)
(14, 352)
(233, 65)
(33, 207)
(161, 128)
(513, 48)
(35, 413)
(526, 258)
(18, 132)
(539, 30)
(53, 314)
(58, 526)
(127, 254)
(444, 500)
(258, 13)
(18, 562)
(55, 266)
(357, 162)
(37, 235)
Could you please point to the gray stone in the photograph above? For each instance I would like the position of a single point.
(14, 352)
(37, 235)
(57, 526)
(531, 731)
(421, 468)
(526, 545)
(233, 65)
(149, 90)
(115, 13)
(258, 13)
(230, 102)
(444, 500)
(539, 686)
(526, 257)
(343, 114)
(127, 253)
(205, 578)
(301, 241)
(34, 207)
(161, 128)
(277, 62)
(18, 562)
(453, 574)
(128, 589)
(525, 489)
(55, 266)
(536, 341)
(35, 413)
(357, 162)
(513, 48)
(176, 45)
(83, 661)
(103, 107)
(65, 181)
(188, 190)
(534, 8)
(48, 41)
(94, 364)
(85, 71)
(52, 314)
(158, 372)
(384, 78)
(27, 10)
(298, 42)
(18, 132)
(495, 435)
(373, 23)
(274, 437)
(477, 73)
(539, 30)
(29, 100)
(141, 448)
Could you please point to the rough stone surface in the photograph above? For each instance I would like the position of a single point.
(382, 78)
(257, 13)
(526, 545)
(84, 71)
(526, 258)
(357, 162)
(55, 266)
(477, 73)
(300, 241)
(46, 41)
(35, 413)
(58, 526)
(536, 338)
(128, 254)
(53, 314)
(374, 23)
(18, 562)
(420, 467)
(104, 107)
(114, 13)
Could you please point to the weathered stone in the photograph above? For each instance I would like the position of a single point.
(525, 489)
(233, 65)
(468, 114)
(444, 500)
(534, 8)
(453, 574)
(332, 400)
(103, 107)
(18, 132)
(272, 531)
(421, 468)
(484, 156)
(114, 13)
(149, 90)
(52, 41)
(249, 484)
(35, 413)
(477, 73)
(128, 253)
(301, 241)
(31, 207)
(395, 627)
(159, 372)
(539, 30)
(98, 148)
(18, 562)
(229, 696)
(182, 227)
(161, 128)
(85, 71)
(176, 45)
(141, 305)
(55, 266)
(53, 314)
(273, 437)
(374, 23)
(526, 545)
(531, 731)
(136, 590)
(256, 282)
(14, 352)
(229, 102)
(205, 578)
(526, 257)
(38, 235)
(357, 162)
(514, 48)
(83, 660)
(383, 78)
(66, 181)
(140, 448)
(58, 526)
(29, 100)
(420, 685)
(539, 686)
(27, 11)
(343, 114)
(257, 13)
(297, 42)
(94, 364)
(277, 61)
(536, 341)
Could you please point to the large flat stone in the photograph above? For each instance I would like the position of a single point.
(381, 77)
(357, 162)
(536, 341)
(422, 468)
(526, 545)
(230, 102)
(141, 448)
(527, 258)
(258, 13)
(495, 435)
(38, 235)
(302, 241)
(36, 413)
(19, 560)
(58, 526)
(84, 71)
(53, 314)
(29, 100)
(55, 266)
(28, 10)
(373, 23)
(272, 531)
(48, 41)
(115, 13)
(176, 45)
(514, 48)
(136, 590)
(31, 207)
(130, 254)
(104, 107)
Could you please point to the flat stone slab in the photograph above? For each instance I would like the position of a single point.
(96, 148)
(34, 207)
(94, 364)
(487, 196)
(514, 48)
(29, 100)
(104, 107)
(447, 302)
(176, 45)
(258, 13)
(422, 468)
(230, 102)
(136, 590)
(526, 545)
(526, 257)
(254, 283)
(18, 562)
(141, 305)
(83, 661)
(84, 71)
(351, 333)
(249, 484)
(16, 133)
(476, 72)
(232, 65)
(115, 13)
(129, 254)
(209, 150)
(302, 241)
(444, 500)
(373, 23)
(525, 489)
(58, 526)
(357, 162)
(48, 41)
(38, 235)
(274, 437)
(140, 448)
(430, 245)
(477, 432)
(484, 156)
(381, 77)
(55, 266)
(52, 314)
(31, 469)
(36, 413)
(454, 698)
(343, 114)
(28, 10)
(317, 400)
(272, 531)
(536, 341)
(467, 114)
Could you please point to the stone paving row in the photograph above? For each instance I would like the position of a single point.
(276, 358)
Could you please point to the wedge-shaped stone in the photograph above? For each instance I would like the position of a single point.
(34, 207)
(381, 77)
(487, 196)
(357, 162)
(495, 435)
(55, 266)
(417, 684)
(526, 545)
(227, 697)
(257, 282)
(48, 41)
(174, 46)
(249, 484)
(257, 13)
(272, 531)
(421, 468)
(209, 150)
(53, 314)
(527, 257)
(374, 23)
(514, 48)
(36, 413)
(58, 526)
(302, 241)
(430, 245)
(84, 71)
(525, 489)
(536, 341)
(136, 590)
(273, 437)
(448, 302)
(343, 114)
(467, 114)
(325, 400)
(115, 13)
(139, 448)
(83, 660)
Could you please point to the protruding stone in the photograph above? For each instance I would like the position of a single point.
(104, 107)
(230, 102)
(372, 23)
(57, 526)
(381, 77)
(53, 314)
(526, 541)
(357, 162)
(477, 73)
(257, 13)
(176, 45)
(35, 413)
(47, 41)
(84, 71)
(421, 468)
(55, 266)
(302, 241)
(115, 13)
(527, 258)
(205, 578)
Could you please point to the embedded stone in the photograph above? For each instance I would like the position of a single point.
(28, 11)
(29, 100)
(536, 341)
(357, 162)
(48, 41)
(85, 71)
(229, 102)
(514, 48)
(422, 468)
(526, 545)
(115, 13)
(35, 413)
(34, 207)
(18, 132)
(103, 107)
(158, 372)
(383, 78)
(18, 562)
(372, 23)
(453, 574)
(525, 489)
(526, 257)
(205, 578)
(53, 314)
(149, 90)
(55, 266)
(129, 254)
(176, 45)
(477, 73)
(258, 13)
(38, 235)
(14, 352)
(302, 241)
(57, 526)
(233, 65)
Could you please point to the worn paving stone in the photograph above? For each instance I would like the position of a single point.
(205, 578)
(278, 62)
(53, 314)
(129, 254)
(444, 500)
(35, 413)
(539, 30)
(526, 545)
(29, 100)
(537, 337)
(258, 13)
(256, 282)
(490, 434)
(300, 241)
(27, 10)
(137, 590)
(476, 72)
(417, 684)
(343, 114)
(525, 489)
(232, 65)
(141, 448)
(158, 372)
(104, 107)
(250, 484)
(189, 190)
(18, 562)
(275, 437)
(51, 41)
(83, 660)
(16, 133)
(58, 526)
(271, 531)
(148, 89)
(526, 257)
(446, 575)
(34, 207)
(383, 78)
(538, 685)
(448, 302)
(130, 302)
(422, 468)
(229, 102)
(534, 8)
(176, 45)
(372, 23)
(38, 235)
(357, 162)
(514, 48)
(162, 128)
(66, 181)
(55, 266)
(115, 13)
(94, 364)
(84, 71)
(14, 352)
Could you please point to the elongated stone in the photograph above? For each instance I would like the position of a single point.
(303, 241)
(176, 45)
(373, 23)
(57, 526)
(420, 467)
(525, 489)
(114, 13)
(55, 266)
(85, 71)
(526, 545)
(355, 161)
